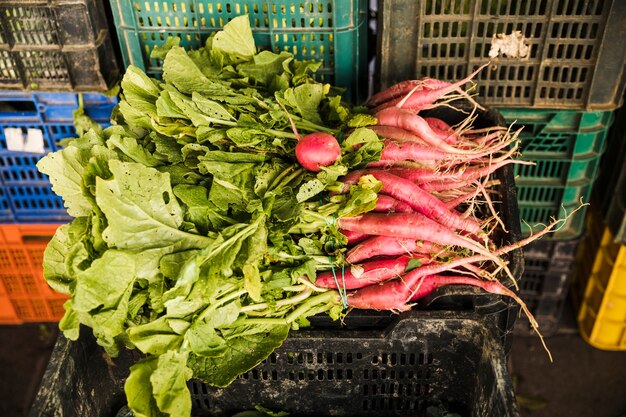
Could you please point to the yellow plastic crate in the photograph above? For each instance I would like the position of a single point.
(602, 308)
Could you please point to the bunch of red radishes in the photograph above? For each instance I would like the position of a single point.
(434, 215)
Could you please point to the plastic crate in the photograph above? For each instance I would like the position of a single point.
(21, 275)
(36, 203)
(56, 45)
(548, 267)
(331, 31)
(602, 306)
(26, 193)
(419, 360)
(610, 190)
(567, 147)
(6, 213)
(572, 60)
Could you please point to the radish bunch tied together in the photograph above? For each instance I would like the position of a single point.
(238, 196)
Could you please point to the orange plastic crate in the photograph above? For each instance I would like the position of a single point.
(25, 296)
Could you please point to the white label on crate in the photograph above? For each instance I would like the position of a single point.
(34, 141)
(513, 45)
(15, 138)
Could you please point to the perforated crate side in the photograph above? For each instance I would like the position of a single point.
(538, 204)
(331, 31)
(36, 203)
(437, 359)
(6, 214)
(92, 69)
(23, 107)
(572, 61)
(45, 24)
(36, 309)
(7, 312)
(548, 266)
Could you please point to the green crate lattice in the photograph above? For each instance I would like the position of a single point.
(331, 31)
(567, 146)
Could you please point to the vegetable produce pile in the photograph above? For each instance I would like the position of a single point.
(238, 196)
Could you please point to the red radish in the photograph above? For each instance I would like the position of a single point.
(386, 204)
(368, 273)
(417, 125)
(411, 151)
(383, 163)
(397, 133)
(317, 150)
(442, 129)
(455, 202)
(395, 295)
(354, 237)
(420, 200)
(397, 90)
(392, 246)
(314, 150)
(439, 124)
(413, 226)
(423, 98)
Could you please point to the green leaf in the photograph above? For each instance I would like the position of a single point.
(138, 389)
(235, 40)
(142, 210)
(169, 384)
(65, 254)
(362, 120)
(413, 264)
(211, 108)
(310, 189)
(92, 291)
(242, 354)
(306, 99)
(160, 51)
(66, 170)
(181, 71)
(69, 324)
(131, 149)
(140, 91)
(265, 66)
(155, 337)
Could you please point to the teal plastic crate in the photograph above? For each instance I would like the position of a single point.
(331, 31)
(567, 147)
(538, 204)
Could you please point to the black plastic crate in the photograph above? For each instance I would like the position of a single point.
(610, 188)
(422, 359)
(572, 61)
(56, 45)
(548, 267)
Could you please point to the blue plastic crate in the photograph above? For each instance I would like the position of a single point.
(6, 214)
(36, 203)
(52, 107)
(26, 194)
(20, 168)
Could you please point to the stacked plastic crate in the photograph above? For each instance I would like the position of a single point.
(599, 287)
(552, 70)
(55, 56)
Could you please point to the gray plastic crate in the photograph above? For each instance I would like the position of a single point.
(573, 60)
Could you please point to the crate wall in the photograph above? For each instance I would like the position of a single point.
(25, 295)
(548, 267)
(568, 58)
(331, 31)
(56, 46)
(25, 193)
(566, 147)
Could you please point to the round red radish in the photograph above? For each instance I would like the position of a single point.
(317, 150)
